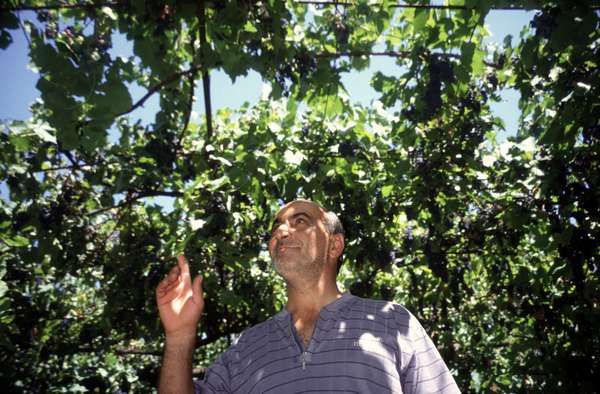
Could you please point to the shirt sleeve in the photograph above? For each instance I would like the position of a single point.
(424, 370)
(216, 378)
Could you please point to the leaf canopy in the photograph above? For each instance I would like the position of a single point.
(492, 245)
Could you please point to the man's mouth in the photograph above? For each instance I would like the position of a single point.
(288, 245)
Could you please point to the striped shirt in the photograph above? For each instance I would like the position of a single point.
(358, 346)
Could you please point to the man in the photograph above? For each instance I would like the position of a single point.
(322, 341)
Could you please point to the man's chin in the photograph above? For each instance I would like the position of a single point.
(282, 266)
(286, 267)
(292, 269)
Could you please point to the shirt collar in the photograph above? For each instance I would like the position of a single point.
(332, 307)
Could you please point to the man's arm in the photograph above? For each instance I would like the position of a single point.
(426, 371)
(180, 304)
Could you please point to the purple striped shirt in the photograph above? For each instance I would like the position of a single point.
(358, 346)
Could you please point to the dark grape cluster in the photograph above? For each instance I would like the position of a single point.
(591, 134)
(43, 16)
(441, 72)
(544, 22)
(301, 66)
(340, 30)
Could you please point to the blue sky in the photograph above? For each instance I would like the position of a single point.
(18, 82)
(19, 91)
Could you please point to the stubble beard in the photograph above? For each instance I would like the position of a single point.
(303, 267)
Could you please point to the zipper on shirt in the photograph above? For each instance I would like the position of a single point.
(305, 356)
(303, 360)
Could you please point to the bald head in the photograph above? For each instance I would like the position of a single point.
(331, 223)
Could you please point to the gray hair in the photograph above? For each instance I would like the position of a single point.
(334, 226)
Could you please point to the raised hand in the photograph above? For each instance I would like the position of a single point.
(180, 302)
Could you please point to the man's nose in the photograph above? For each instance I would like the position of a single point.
(283, 231)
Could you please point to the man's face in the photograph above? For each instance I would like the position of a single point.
(299, 241)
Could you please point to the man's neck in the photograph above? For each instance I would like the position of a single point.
(307, 300)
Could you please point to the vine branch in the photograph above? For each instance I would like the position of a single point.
(206, 78)
(60, 6)
(398, 54)
(157, 87)
(313, 2)
(417, 6)
(201, 15)
(22, 27)
(188, 113)
(131, 199)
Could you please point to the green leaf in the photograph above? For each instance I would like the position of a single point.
(109, 12)
(216, 184)
(8, 20)
(43, 131)
(471, 62)
(117, 95)
(387, 190)
(17, 241)
(21, 144)
(420, 20)
(5, 39)
(477, 64)
(3, 288)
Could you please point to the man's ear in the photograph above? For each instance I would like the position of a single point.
(336, 246)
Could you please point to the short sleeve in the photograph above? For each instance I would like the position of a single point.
(216, 378)
(424, 370)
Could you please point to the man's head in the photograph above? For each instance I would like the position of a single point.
(306, 240)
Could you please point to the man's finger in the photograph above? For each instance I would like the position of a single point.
(166, 286)
(177, 289)
(167, 297)
(162, 285)
(173, 274)
(184, 267)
